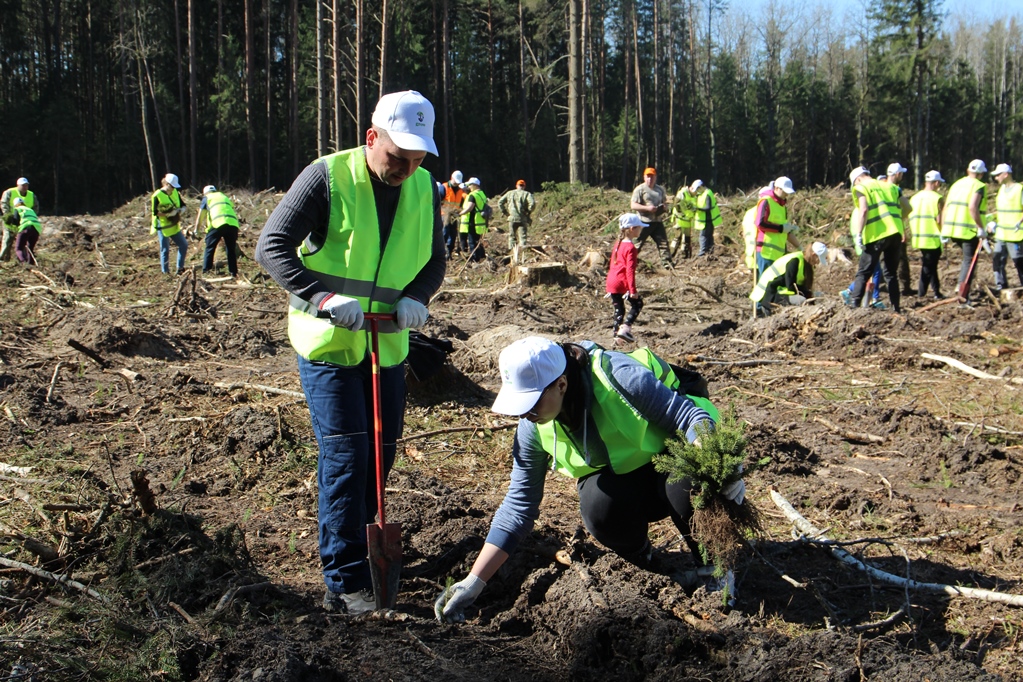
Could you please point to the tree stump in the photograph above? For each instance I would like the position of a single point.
(540, 273)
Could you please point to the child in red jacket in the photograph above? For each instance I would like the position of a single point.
(621, 276)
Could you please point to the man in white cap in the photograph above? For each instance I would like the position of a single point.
(899, 207)
(771, 219)
(963, 218)
(598, 417)
(167, 206)
(221, 222)
(873, 225)
(20, 190)
(1008, 230)
(473, 221)
(359, 231)
(706, 217)
(924, 227)
(451, 204)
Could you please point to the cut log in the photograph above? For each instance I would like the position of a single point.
(541, 273)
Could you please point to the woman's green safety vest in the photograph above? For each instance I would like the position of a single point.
(351, 263)
(777, 270)
(27, 218)
(163, 223)
(474, 217)
(684, 209)
(923, 221)
(706, 204)
(631, 440)
(1010, 212)
(771, 245)
(220, 211)
(957, 222)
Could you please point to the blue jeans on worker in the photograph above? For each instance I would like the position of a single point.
(1004, 252)
(179, 240)
(340, 401)
(887, 252)
(706, 240)
(876, 281)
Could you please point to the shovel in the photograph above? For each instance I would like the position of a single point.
(383, 539)
(964, 287)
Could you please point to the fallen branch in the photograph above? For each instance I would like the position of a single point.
(260, 387)
(847, 434)
(53, 382)
(53, 577)
(93, 355)
(703, 359)
(936, 304)
(881, 624)
(985, 427)
(181, 612)
(456, 429)
(809, 530)
(229, 596)
(962, 367)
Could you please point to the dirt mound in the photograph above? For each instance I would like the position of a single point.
(126, 333)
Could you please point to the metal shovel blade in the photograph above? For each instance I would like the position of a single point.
(384, 562)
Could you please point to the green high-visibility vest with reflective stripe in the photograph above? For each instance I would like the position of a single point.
(630, 439)
(771, 245)
(479, 224)
(220, 211)
(351, 262)
(27, 218)
(957, 222)
(707, 204)
(29, 199)
(1009, 204)
(163, 223)
(879, 223)
(776, 270)
(893, 196)
(684, 209)
(923, 221)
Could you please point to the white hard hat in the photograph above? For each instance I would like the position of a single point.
(933, 176)
(473, 181)
(457, 177)
(977, 166)
(172, 180)
(1002, 168)
(896, 167)
(208, 188)
(857, 172)
(22, 181)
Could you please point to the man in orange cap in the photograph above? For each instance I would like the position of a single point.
(518, 205)
(648, 201)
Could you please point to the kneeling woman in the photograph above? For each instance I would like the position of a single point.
(790, 278)
(598, 416)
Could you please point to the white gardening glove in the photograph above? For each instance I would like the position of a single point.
(344, 311)
(797, 299)
(410, 313)
(991, 227)
(789, 227)
(453, 601)
(735, 491)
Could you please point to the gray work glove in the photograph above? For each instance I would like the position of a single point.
(797, 299)
(410, 313)
(453, 601)
(344, 311)
(735, 491)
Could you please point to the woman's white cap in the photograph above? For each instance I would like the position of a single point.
(528, 366)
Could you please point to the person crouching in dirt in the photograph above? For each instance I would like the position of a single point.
(621, 276)
(26, 223)
(598, 416)
(789, 280)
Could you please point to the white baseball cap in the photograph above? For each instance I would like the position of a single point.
(457, 177)
(473, 181)
(627, 220)
(697, 184)
(528, 366)
(933, 176)
(208, 188)
(19, 202)
(977, 166)
(1002, 168)
(857, 172)
(821, 249)
(785, 185)
(172, 180)
(22, 181)
(896, 167)
(408, 119)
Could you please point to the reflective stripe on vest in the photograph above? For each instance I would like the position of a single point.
(29, 199)
(350, 261)
(893, 200)
(1010, 212)
(163, 223)
(479, 224)
(707, 203)
(879, 223)
(771, 245)
(775, 271)
(630, 439)
(749, 237)
(923, 221)
(684, 210)
(220, 211)
(957, 221)
(27, 218)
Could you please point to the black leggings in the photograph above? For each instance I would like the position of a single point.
(618, 508)
(635, 306)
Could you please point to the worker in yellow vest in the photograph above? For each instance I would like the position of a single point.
(925, 232)
(707, 216)
(167, 206)
(26, 223)
(20, 190)
(221, 222)
(358, 232)
(899, 207)
(473, 221)
(683, 210)
(775, 234)
(962, 219)
(1008, 229)
(876, 228)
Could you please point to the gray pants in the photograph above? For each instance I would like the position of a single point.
(7, 246)
(516, 234)
(1003, 253)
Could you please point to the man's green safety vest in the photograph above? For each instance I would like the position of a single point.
(350, 262)
(1010, 212)
(220, 211)
(707, 205)
(776, 270)
(631, 441)
(893, 202)
(879, 222)
(957, 222)
(771, 245)
(163, 223)
(27, 218)
(474, 217)
(684, 209)
(923, 221)
(29, 198)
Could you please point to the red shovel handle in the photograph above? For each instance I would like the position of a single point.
(378, 429)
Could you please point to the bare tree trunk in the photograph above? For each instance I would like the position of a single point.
(296, 148)
(490, 62)
(385, 46)
(338, 71)
(626, 176)
(145, 127)
(657, 86)
(181, 86)
(321, 82)
(268, 55)
(523, 93)
(193, 113)
(446, 77)
(220, 73)
(360, 69)
(639, 84)
(710, 93)
(587, 68)
(250, 87)
(575, 84)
